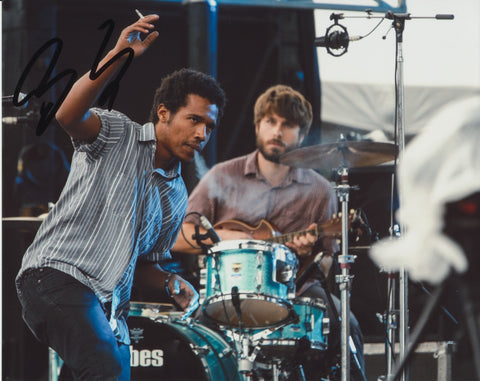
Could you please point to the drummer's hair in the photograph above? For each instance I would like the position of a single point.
(287, 103)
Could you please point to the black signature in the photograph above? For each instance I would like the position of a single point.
(49, 109)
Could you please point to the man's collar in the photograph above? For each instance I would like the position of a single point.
(147, 133)
(171, 173)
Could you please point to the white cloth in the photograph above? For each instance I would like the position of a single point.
(440, 165)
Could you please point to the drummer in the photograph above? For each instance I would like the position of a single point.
(256, 186)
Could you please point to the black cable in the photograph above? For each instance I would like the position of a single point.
(447, 313)
(183, 232)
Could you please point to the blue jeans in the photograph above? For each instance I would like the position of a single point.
(66, 315)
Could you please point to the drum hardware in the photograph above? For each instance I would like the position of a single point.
(398, 23)
(284, 272)
(344, 280)
(246, 360)
(199, 351)
(342, 155)
(259, 276)
(249, 344)
(272, 349)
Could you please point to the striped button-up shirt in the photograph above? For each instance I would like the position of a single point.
(115, 207)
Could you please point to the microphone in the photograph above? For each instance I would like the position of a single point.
(336, 40)
(211, 233)
(236, 302)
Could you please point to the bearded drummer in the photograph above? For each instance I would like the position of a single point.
(243, 196)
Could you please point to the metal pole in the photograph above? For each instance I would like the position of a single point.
(344, 280)
(399, 24)
(391, 323)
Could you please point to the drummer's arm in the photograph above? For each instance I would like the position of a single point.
(187, 244)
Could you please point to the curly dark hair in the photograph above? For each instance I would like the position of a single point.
(175, 88)
(286, 102)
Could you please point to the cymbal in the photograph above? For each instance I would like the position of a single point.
(350, 154)
(30, 224)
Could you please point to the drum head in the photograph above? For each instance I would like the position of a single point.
(257, 311)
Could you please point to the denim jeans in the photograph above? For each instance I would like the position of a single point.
(66, 315)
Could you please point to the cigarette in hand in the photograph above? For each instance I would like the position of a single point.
(139, 14)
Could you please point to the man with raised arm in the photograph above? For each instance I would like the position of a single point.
(118, 215)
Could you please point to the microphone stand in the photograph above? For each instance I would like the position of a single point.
(399, 26)
(344, 280)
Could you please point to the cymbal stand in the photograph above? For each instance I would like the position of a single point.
(344, 280)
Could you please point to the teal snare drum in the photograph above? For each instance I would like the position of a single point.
(309, 332)
(249, 283)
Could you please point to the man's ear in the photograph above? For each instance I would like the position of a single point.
(162, 113)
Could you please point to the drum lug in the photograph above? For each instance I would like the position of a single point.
(259, 259)
(258, 280)
(203, 277)
(309, 325)
(200, 351)
(227, 352)
(326, 326)
(259, 276)
(283, 272)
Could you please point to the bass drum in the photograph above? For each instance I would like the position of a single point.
(163, 348)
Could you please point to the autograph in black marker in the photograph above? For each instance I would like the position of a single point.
(49, 109)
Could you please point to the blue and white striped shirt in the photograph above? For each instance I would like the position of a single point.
(114, 208)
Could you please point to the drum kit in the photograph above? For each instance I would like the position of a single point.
(250, 325)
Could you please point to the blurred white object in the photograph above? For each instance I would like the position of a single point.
(440, 165)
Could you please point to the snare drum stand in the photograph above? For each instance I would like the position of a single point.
(344, 280)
